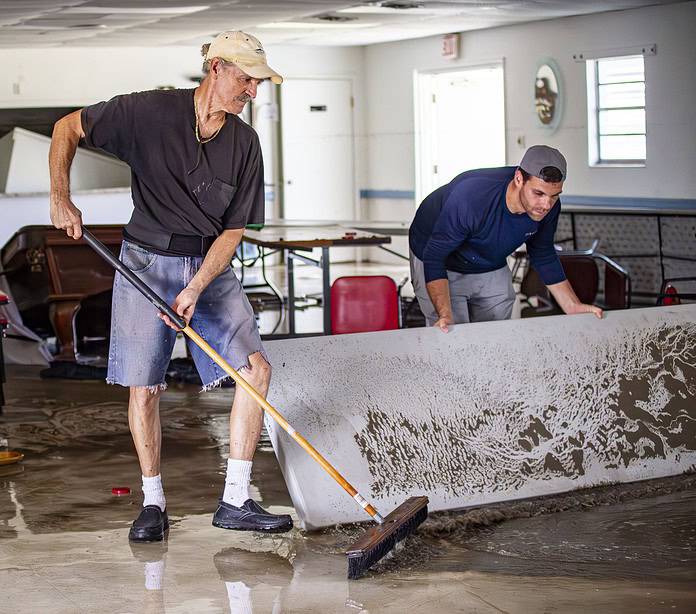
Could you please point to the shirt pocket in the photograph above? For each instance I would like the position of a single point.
(218, 197)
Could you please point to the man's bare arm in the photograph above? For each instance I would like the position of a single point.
(569, 302)
(439, 293)
(215, 262)
(67, 133)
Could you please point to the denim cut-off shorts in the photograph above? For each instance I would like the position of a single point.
(142, 344)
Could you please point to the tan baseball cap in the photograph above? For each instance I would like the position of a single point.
(245, 51)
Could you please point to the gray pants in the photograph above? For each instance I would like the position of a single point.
(476, 297)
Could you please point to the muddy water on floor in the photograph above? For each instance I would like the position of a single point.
(629, 545)
(77, 450)
(594, 536)
(655, 537)
(68, 488)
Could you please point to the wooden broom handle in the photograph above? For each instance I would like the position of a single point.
(285, 425)
(164, 307)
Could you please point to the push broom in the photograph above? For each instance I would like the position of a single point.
(376, 541)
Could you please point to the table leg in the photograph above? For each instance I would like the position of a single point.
(276, 291)
(2, 369)
(661, 253)
(326, 278)
(241, 251)
(61, 313)
(289, 266)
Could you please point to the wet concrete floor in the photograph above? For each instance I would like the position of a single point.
(64, 547)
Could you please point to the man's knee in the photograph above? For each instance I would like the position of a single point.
(258, 373)
(145, 397)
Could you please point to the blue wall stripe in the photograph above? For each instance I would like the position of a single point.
(390, 194)
(685, 204)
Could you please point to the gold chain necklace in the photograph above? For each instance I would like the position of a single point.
(198, 134)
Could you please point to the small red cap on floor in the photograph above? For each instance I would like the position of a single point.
(120, 490)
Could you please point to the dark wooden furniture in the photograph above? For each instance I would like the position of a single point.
(3, 327)
(62, 288)
(52, 277)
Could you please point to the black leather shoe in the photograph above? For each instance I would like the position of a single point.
(150, 525)
(250, 517)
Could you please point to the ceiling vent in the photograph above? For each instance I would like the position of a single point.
(402, 6)
(336, 18)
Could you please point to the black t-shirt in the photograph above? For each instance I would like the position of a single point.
(179, 186)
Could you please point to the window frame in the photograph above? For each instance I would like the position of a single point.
(594, 109)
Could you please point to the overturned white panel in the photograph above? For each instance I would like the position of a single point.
(488, 412)
(24, 166)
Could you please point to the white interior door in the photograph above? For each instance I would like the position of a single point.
(317, 149)
(460, 124)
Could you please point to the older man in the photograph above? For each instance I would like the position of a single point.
(197, 181)
(464, 231)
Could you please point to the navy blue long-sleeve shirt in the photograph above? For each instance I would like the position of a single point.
(465, 226)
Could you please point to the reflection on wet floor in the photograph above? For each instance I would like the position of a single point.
(64, 548)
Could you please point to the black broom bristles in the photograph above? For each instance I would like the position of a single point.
(380, 540)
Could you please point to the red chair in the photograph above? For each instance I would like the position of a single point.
(364, 303)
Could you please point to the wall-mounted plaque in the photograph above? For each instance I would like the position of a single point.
(548, 94)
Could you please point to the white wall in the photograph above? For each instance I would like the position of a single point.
(77, 77)
(74, 77)
(383, 92)
(671, 92)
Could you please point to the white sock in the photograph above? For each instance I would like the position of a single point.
(237, 482)
(153, 492)
(239, 595)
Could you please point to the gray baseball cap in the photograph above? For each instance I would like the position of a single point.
(538, 157)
